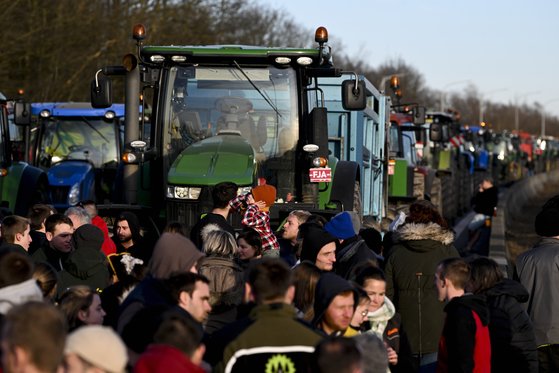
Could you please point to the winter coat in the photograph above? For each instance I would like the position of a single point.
(86, 265)
(351, 253)
(465, 343)
(160, 358)
(274, 337)
(537, 269)
(410, 270)
(513, 344)
(209, 218)
(226, 290)
(486, 201)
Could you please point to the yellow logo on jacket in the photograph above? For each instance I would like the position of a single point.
(280, 364)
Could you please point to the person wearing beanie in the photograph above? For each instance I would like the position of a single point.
(95, 346)
(335, 300)
(318, 247)
(256, 206)
(352, 249)
(536, 269)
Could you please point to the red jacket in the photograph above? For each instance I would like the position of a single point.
(109, 246)
(160, 358)
(465, 345)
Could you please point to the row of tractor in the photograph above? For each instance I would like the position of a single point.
(194, 116)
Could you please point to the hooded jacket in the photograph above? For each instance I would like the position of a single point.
(513, 344)
(327, 288)
(86, 265)
(465, 344)
(410, 269)
(350, 254)
(172, 253)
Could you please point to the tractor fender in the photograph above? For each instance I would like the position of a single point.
(346, 175)
(33, 188)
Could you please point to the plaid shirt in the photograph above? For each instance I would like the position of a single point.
(257, 220)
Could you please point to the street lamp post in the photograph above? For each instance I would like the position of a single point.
(543, 115)
(443, 91)
(516, 100)
(481, 102)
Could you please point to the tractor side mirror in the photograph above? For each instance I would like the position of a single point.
(101, 93)
(22, 113)
(353, 95)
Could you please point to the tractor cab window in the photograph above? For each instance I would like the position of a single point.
(78, 138)
(258, 104)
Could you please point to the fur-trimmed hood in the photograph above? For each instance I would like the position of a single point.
(419, 231)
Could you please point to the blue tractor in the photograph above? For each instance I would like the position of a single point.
(79, 147)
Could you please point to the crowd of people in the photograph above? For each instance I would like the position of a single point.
(318, 295)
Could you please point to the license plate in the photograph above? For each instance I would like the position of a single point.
(320, 175)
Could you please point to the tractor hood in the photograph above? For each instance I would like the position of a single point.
(68, 173)
(225, 157)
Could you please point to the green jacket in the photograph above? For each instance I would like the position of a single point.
(276, 339)
(410, 270)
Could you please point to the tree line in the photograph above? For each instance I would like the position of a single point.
(52, 48)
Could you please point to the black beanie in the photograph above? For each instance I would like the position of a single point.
(314, 239)
(330, 285)
(547, 222)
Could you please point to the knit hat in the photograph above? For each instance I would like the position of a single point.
(330, 285)
(314, 239)
(341, 226)
(100, 346)
(547, 222)
(266, 193)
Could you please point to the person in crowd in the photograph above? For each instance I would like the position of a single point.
(318, 246)
(37, 215)
(289, 238)
(78, 215)
(513, 344)
(420, 243)
(172, 253)
(59, 230)
(249, 247)
(33, 337)
(128, 238)
(537, 271)
(191, 292)
(177, 347)
(373, 239)
(352, 248)
(47, 279)
(86, 264)
(17, 285)
(274, 329)
(465, 345)
(337, 354)
(384, 321)
(484, 204)
(225, 275)
(359, 318)
(175, 227)
(90, 206)
(15, 234)
(373, 353)
(82, 306)
(222, 193)
(94, 348)
(335, 301)
(305, 278)
(187, 296)
(256, 215)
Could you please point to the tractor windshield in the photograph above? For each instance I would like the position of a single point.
(78, 138)
(260, 104)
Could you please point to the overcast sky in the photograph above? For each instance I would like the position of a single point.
(508, 49)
